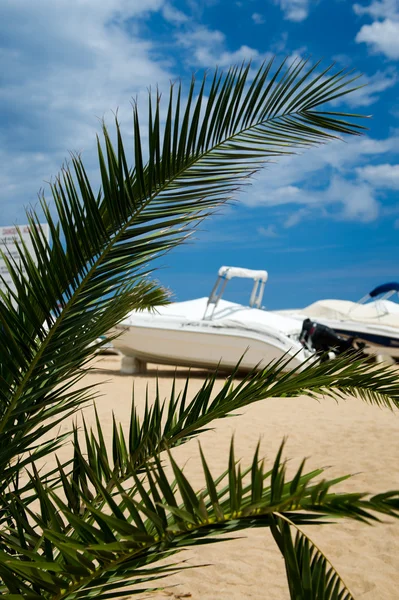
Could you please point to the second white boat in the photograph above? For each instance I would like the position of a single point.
(374, 319)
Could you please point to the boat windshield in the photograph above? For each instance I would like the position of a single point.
(224, 275)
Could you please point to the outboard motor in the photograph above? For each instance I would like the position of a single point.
(324, 340)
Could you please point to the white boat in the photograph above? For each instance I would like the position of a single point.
(372, 320)
(208, 332)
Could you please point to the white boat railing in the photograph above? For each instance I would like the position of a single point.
(224, 275)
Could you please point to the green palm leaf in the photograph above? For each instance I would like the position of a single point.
(92, 273)
(171, 422)
(112, 548)
(94, 525)
(309, 573)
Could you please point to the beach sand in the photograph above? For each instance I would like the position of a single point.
(349, 437)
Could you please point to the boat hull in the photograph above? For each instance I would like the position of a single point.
(378, 341)
(375, 323)
(205, 347)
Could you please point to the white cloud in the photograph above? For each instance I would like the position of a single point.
(329, 181)
(341, 199)
(383, 37)
(287, 194)
(258, 19)
(207, 47)
(202, 35)
(383, 9)
(380, 176)
(357, 200)
(268, 232)
(294, 10)
(280, 46)
(296, 217)
(64, 66)
(244, 53)
(171, 14)
(314, 166)
(343, 59)
(92, 60)
(373, 85)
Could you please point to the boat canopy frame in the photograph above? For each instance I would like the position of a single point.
(224, 275)
(388, 289)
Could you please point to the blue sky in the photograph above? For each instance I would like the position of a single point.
(324, 224)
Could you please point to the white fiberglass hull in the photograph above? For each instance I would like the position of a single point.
(376, 324)
(180, 339)
(379, 339)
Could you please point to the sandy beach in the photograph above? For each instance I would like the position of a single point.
(349, 437)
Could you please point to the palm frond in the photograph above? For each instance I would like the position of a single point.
(84, 529)
(310, 575)
(171, 422)
(114, 547)
(90, 275)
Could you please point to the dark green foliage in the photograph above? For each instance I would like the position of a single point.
(102, 522)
